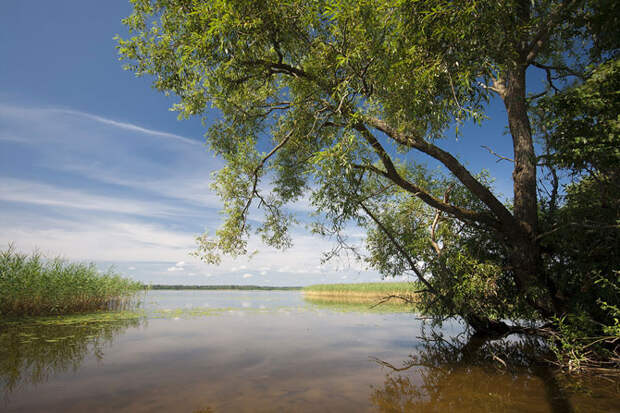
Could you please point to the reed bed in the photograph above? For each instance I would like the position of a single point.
(360, 305)
(363, 291)
(32, 285)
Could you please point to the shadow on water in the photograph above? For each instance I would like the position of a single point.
(483, 374)
(34, 350)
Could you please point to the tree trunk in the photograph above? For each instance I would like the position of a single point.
(525, 254)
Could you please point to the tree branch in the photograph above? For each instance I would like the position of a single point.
(462, 174)
(407, 300)
(400, 249)
(436, 222)
(500, 157)
(254, 192)
(568, 70)
(392, 174)
(545, 29)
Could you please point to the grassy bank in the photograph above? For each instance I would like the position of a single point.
(31, 285)
(362, 291)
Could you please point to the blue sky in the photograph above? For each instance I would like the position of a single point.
(93, 165)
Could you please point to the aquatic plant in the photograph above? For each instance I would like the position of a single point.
(34, 349)
(33, 285)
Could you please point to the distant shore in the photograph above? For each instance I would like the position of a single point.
(220, 287)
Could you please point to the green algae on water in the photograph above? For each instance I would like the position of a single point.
(33, 349)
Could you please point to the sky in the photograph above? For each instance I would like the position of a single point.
(94, 166)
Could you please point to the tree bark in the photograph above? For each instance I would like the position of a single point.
(525, 252)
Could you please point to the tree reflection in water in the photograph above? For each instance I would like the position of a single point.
(481, 374)
(33, 351)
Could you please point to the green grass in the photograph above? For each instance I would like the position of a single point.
(31, 285)
(370, 290)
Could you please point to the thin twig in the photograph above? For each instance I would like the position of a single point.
(492, 152)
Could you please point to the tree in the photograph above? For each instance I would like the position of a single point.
(347, 91)
(579, 235)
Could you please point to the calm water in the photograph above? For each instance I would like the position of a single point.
(225, 351)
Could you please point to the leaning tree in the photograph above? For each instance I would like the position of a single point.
(351, 94)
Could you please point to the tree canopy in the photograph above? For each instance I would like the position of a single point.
(346, 91)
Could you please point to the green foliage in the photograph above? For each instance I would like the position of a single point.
(470, 264)
(304, 73)
(31, 285)
(583, 122)
(581, 235)
(336, 97)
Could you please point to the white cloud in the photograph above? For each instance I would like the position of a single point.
(180, 264)
(87, 237)
(129, 126)
(31, 192)
(33, 112)
(80, 206)
(131, 268)
(174, 269)
(247, 275)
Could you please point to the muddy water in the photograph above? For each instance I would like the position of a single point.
(225, 351)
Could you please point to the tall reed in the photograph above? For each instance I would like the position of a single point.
(32, 285)
(363, 290)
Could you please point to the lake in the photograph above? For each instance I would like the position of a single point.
(254, 351)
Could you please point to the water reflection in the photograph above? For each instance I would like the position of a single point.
(31, 352)
(480, 374)
(207, 352)
(360, 305)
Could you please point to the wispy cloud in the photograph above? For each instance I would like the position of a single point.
(97, 189)
(128, 126)
(31, 192)
(29, 112)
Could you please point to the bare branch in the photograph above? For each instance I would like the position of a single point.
(392, 367)
(576, 224)
(559, 69)
(406, 299)
(501, 158)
